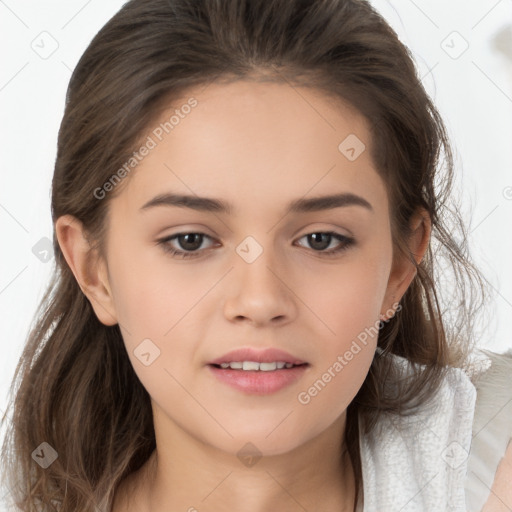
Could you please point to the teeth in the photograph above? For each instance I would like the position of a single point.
(250, 365)
(236, 366)
(253, 365)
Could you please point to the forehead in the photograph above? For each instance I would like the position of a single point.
(254, 140)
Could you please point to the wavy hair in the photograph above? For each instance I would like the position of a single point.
(74, 387)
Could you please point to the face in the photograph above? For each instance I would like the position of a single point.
(256, 275)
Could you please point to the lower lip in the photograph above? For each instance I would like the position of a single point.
(257, 382)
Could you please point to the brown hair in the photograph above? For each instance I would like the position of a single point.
(74, 387)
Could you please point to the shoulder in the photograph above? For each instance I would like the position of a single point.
(445, 454)
(417, 461)
(490, 460)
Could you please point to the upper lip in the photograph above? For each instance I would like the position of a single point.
(267, 355)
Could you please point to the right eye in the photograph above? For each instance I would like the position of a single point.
(190, 244)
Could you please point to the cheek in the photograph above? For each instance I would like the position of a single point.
(157, 303)
(331, 390)
(351, 311)
(348, 297)
(348, 301)
(153, 294)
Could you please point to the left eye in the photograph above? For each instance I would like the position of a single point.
(190, 243)
(321, 240)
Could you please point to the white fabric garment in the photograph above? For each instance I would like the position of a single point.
(444, 457)
(492, 426)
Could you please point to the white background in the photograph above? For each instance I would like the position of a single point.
(473, 93)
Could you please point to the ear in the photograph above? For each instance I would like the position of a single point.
(403, 271)
(89, 270)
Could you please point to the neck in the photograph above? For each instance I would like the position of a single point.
(186, 475)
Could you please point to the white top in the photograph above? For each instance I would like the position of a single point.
(445, 456)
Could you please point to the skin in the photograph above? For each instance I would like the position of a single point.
(258, 146)
(500, 495)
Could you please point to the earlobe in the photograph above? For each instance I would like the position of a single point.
(403, 270)
(89, 270)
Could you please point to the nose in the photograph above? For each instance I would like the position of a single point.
(260, 293)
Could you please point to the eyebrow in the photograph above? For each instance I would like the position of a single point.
(208, 204)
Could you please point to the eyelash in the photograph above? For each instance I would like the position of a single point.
(165, 243)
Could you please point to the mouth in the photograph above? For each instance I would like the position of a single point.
(253, 378)
(248, 358)
(254, 366)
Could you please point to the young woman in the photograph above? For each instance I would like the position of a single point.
(251, 205)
